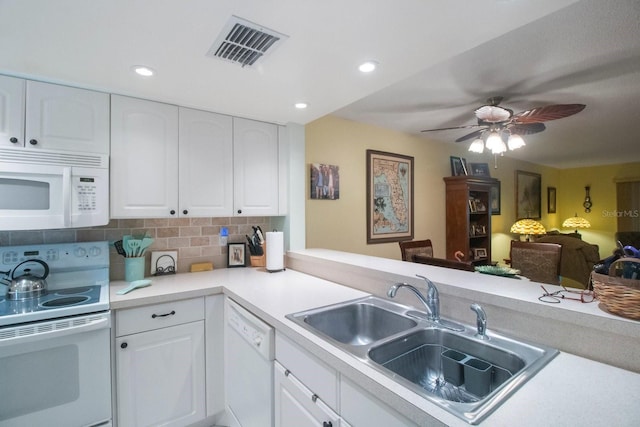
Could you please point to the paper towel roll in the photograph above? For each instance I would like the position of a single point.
(275, 250)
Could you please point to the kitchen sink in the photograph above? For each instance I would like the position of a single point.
(468, 375)
(359, 323)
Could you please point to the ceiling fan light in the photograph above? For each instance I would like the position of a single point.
(493, 140)
(515, 142)
(477, 146)
(499, 147)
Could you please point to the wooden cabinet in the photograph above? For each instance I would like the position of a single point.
(255, 168)
(144, 158)
(160, 364)
(468, 217)
(169, 161)
(297, 406)
(43, 116)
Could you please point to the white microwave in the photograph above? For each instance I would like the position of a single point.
(46, 189)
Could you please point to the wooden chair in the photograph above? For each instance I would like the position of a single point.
(441, 262)
(412, 247)
(539, 262)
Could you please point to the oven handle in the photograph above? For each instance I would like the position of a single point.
(50, 330)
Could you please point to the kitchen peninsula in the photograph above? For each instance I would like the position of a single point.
(557, 395)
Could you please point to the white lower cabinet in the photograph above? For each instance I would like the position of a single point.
(160, 364)
(361, 408)
(297, 406)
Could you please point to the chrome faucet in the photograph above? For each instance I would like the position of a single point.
(481, 321)
(431, 303)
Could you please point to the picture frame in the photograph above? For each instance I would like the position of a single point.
(551, 199)
(236, 255)
(494, 198)
(389, 197)
(479, 253)
(528, 189)
(458, 166)
(479, 169)
(324, 181)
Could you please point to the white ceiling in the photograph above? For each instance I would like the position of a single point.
(439, 60)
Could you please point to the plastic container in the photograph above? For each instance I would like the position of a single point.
(477, 377)
(452, 366)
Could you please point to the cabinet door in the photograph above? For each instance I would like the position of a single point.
(160, 378)
(255, 161)
(11, 112)
(144, 159)
(297, 406)
(206, 164)
(66, 118)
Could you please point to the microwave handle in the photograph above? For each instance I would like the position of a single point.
(66, 196)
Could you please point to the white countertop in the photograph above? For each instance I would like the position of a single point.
(570, 390)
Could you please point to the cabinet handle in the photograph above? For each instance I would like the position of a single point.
(33, 141)
(314, 397)
(124, 345)
(239, 211)
(153, 316)
(286, 372)
(327, 424)
(13, 139)
(184, 212)
(172, 212)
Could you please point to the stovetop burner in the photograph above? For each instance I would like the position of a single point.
(65, 301)
(54, 299)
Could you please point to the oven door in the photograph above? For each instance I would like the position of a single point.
(56, 372)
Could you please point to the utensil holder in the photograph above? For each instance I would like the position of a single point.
(477, 377)
(133, 268)
(452, 366)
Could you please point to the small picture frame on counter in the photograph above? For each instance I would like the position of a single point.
(164, 262)
(236, 255)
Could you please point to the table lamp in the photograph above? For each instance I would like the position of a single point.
(576, 222)
(528, 227)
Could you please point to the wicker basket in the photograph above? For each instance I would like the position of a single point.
(618, 295)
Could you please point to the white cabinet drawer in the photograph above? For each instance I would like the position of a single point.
(156, 316)
(315, 374)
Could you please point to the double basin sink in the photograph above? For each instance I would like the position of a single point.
(445, 362)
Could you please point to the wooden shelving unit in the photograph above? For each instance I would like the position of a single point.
(469, 217)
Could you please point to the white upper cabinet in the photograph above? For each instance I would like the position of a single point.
(11, 112)
(206, 166)
(46, 116)
(255, 168)
(144, 158)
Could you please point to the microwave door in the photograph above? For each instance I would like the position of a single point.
(87, 197)
(30, 197)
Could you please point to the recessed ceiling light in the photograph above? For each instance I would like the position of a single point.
(301, 105)
(143, 71)
(367, 67)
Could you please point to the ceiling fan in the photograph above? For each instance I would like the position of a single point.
(497, 125)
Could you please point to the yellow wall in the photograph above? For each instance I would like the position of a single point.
(341, 224)
(601, 179)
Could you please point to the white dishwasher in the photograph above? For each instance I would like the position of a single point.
(249, 354)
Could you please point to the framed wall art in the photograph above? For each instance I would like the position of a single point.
(494, 198)
(389, 197)
(551, 199)
(528, 188)
(458, 166)
(325, 182)
(236, 255)
(479, 169)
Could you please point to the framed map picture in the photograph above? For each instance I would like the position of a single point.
(389, 197)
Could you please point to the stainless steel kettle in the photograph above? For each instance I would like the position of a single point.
(28, 285)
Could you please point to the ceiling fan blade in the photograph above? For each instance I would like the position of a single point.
(472, 135)
(451, 128)
(527, 128)
(549, 112)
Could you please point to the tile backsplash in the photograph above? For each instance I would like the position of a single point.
(195, 239)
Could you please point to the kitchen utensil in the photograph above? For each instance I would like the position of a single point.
(28, 285)
(119, 248)
(125, 245)
(252, 248)
(137, 284)
(134, 247)
(144, 244)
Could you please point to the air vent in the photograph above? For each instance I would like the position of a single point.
(244, 42)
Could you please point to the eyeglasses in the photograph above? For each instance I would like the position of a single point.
(585, 295)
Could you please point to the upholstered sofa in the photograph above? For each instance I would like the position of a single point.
(578, 257)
